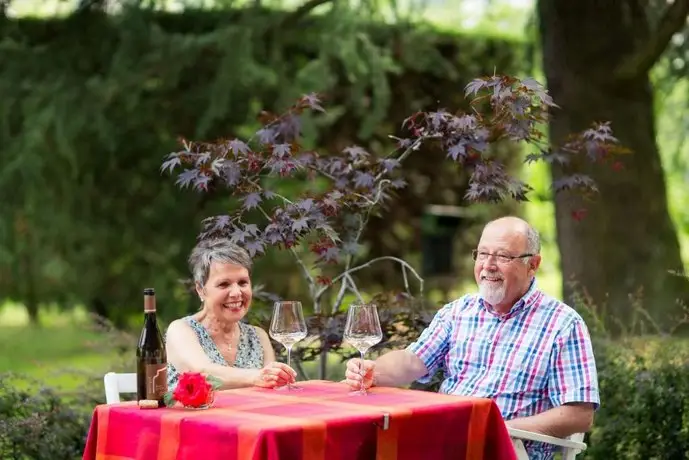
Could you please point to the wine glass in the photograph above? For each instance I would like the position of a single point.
(362, 331)
(288, 327)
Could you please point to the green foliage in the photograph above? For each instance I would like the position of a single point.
(37, 424)
(645, 410)
(91, 103)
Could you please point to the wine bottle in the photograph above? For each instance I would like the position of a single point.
(151, 373)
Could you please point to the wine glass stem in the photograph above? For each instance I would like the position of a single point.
(289, 355)
(363, 373)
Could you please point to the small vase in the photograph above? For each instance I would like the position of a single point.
(208, 405)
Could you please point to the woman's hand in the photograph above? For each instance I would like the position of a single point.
(275, 374)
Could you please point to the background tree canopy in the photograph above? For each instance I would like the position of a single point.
(93, 102)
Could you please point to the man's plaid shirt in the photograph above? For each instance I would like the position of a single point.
(536, 357)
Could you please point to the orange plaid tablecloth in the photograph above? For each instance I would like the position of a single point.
(321, 422)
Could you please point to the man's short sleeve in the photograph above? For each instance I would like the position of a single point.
(433, 343)
(573, 376)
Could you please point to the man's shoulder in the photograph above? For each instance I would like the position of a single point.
(562, 314)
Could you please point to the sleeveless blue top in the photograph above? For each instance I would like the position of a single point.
(249, 350)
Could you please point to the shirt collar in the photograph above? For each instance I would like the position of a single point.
(527, 300)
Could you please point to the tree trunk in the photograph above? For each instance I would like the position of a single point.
(626, 243)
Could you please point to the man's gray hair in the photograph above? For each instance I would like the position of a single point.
(533, 241)
(216, 250)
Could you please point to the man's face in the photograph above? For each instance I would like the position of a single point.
(502, 281)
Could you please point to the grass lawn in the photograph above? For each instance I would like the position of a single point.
(64, 348)
(58, 352)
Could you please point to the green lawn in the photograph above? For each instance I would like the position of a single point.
(65, 350)
(59, 352)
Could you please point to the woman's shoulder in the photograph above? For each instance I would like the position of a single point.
(252, 330)
(183, 326)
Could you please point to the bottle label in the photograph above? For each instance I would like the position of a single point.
(156, 381)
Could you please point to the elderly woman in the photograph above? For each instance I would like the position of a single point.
(214, 340)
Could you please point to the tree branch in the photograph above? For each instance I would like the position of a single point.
(303, 266)
(639, 63)
(348, 272)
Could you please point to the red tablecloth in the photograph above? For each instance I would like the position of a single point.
(321, 422)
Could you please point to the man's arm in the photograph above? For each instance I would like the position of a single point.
(572, 387)
(559, 422)
(394, 369)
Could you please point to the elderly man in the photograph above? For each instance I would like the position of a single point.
(510, 342)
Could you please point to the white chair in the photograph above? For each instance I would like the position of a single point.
(116, 384)
(570, 446)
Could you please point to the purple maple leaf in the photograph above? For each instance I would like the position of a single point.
(574, 181)
(306, 159)
(220, 222)
(251, 229)
(238, 235)
(363, 179)
(171, 163)
(252, 200)
(355, 152)
(201, 182)
(254, 246)
(300, 224)
(289, 128)
(389, 164)
(272, 233)
(236, 147)
(313, 102)
(281, 150)
(202, 159)
(463, 123)
(231, 172)
(187, 177)
(266, 135)
(457, 150)
(437, 118)
(305, 204)
(474, 86)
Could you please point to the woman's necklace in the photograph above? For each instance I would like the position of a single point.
(229, 344)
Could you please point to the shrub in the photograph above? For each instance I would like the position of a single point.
(645, 408)
(36, 423)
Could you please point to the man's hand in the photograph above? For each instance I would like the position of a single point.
(355, 375)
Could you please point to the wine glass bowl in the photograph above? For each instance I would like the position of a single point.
(362, 331)
(287, 326)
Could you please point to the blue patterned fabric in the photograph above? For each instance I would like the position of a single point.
(249, 350)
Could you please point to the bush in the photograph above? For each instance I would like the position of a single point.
(37, 423)
(645, 408)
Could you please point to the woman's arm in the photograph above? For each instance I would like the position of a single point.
(185, 353)
(268, 352)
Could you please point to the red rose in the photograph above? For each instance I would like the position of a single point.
(192, 389)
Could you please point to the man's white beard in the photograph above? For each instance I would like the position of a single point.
(491, 293)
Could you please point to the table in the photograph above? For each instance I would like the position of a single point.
(321, 422)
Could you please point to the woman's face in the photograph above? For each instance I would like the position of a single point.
(227, 293)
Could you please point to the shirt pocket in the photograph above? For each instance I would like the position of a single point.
(526, 366)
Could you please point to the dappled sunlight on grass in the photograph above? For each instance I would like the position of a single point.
(62, 352)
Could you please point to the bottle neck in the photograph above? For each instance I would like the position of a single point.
(150, 317)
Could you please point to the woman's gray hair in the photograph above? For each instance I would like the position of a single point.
(212, 250)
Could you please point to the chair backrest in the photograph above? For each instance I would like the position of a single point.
(116, 384)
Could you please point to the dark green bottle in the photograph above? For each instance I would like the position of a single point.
(151, 372)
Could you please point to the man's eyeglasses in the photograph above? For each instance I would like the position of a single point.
(501, 258)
